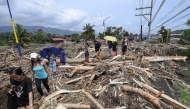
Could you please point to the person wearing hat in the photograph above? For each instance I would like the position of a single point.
(40, 73)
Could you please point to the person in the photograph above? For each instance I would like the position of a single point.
(124, 47)
(86, 52)
(97, 49)
(52, 62)
(110, 46)
(62, 57)
(40, 73)
(21, 89)
(115, 47)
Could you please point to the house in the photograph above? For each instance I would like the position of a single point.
(68, 39)
(55, 40)
(177, 34)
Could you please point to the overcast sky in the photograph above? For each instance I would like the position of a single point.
(74, 14)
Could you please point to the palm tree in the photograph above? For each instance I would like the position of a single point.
(23, 35)
(163, 32)
(89, 32)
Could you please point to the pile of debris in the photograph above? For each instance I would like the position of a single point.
(141, 80)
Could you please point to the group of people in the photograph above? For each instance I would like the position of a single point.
(21, 86)
(112, 48)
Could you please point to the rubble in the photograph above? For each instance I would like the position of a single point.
(111, 83)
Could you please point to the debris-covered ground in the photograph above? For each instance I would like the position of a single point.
(132, 83)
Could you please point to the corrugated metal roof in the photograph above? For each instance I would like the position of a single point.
(57, 39)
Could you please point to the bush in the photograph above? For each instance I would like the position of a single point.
(186, 52)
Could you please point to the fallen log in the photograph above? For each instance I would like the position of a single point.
(75, 106)
(144, 94)
(77, 79)
(59, 106)
(115, 57)
(163, 58)
(71, 61)
(92, 100)
(165, 97)
(92, 64)
(130, 58)
(77, 67)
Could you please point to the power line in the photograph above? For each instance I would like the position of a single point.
(177, 26)
(53, 9)
(173, 17)
(178, 19)
(178, 5)
(158, 9)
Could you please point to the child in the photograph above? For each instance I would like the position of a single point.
(62, 57)
(52, 62)
(86, 52)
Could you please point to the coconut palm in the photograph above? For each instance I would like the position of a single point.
(163, 32)
(23, 35)
(89, 32)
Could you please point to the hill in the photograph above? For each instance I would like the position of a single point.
(45, 29)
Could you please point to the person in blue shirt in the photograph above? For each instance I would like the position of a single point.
(40, 73)
(110, 46)
(62, 57)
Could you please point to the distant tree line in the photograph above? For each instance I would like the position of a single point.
(39, 36)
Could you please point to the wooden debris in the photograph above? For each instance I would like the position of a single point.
(77, 79)
(163, 58)
(146, 95)
(103, 89)
(165, 97)
(144, 70)
(75, 106)
(99, 106)
(115, 57)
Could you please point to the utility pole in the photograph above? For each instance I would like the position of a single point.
(104, 25)
(149, 22)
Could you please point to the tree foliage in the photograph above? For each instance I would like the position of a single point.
(165, 34)
(75, 37)
(89, 32)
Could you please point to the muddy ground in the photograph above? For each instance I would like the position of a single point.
(164, 76)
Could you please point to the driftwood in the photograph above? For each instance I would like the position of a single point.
(75, 106)
(165, 97)
(77, 79)
(146, 95)
(115, 57)
(92, 64)
(163, 58)
(143, 69)
(99, 106)
(59, 106)
(70, 61)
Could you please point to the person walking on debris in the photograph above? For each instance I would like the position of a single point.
(51, 62)
(86, 52)
(97, 49)
(40, 73)
(124, 47)
(115, 47)
(62, 57)
(21, 89)
(110, 46)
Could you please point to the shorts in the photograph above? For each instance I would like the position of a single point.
(124, 49)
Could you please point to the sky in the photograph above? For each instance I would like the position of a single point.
(75, 14)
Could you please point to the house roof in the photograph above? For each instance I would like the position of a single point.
(57, 39)
(68, 38)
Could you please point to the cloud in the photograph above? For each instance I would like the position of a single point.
(128, 23)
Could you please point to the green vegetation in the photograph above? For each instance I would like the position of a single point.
(182, 93)
(186, 35)
(165, 35)
(186, 52)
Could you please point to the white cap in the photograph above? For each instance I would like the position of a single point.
(33, 55)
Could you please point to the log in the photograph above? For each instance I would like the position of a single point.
(59, 92)
(75, 106)
(99, 106)
(79, 54)
(60, 106)
(130, 58)
(165, 97)
(92, 64)
(163, 58)
(71, 61)
(144, 94)
(77, 67)
(115, 57)
(77, 79)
